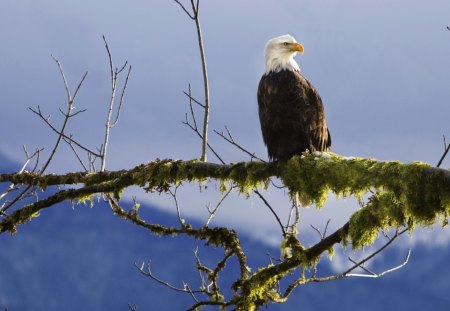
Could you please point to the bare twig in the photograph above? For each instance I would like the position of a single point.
(67, 139)
(23, 194)
(79, 86)
(322, 235)
(185, 10)
(397, 234)
(110, 107)
(202, 269)
(213, 212)
(204, 285)
(194, 126)
(231, 140)
(61, 134)
(446, 149)
(72, 114)
(12, 187)
(191, 98)
(377, 275)
(205, 79)
(195, 129)
(215, 274)
(175, 199)
(195, 17)
(70, 106)
(194, 119)
(212, 289)
(282, 298)
(277, 186)
(29, 157)
(191, 292)
(272, 210)
(146, 270)
(114, 72)
(272, 259)
(69, 142)
(229, 239)
(91, 158)
(119, 109)
(63, 76)
(291, 226)
(361, 266)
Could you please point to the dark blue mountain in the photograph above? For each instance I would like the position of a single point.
(82, 258)
(7, 166)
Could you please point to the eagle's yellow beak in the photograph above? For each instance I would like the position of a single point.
(299, 48)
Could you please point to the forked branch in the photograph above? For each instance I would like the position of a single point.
(446, 149)
(194, 15)
(114, 72)
(229, 138)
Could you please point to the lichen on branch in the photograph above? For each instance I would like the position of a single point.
(405, 194)
(402, 195)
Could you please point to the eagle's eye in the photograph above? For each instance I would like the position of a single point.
(285, 44)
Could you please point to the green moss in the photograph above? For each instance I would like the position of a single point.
(257, 291)
(330, 252)
(161, 174)
(381, 212)
(406, 194)
(88, 199)
(314, 176)
(247, 176)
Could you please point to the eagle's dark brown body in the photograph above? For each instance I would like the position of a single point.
(292, 115)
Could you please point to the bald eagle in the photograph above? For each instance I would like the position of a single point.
(291, 112)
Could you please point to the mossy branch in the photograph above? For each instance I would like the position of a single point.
(219, 236)
(405, 194)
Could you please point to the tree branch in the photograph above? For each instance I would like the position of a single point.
(114, 72)
(68, 139)
(195, 16)
(446, 149)
(403, 194)
(231, 140)
(272, 211)
(402, 197)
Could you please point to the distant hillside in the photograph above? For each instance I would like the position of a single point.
(83, 258)
(7, 165)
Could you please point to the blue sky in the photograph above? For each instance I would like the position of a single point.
(381, 68)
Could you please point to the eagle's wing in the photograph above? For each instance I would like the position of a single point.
(314, 114)
(291, 115)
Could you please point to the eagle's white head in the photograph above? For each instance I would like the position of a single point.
(280, 52)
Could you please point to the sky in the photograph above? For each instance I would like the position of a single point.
(380, 67)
